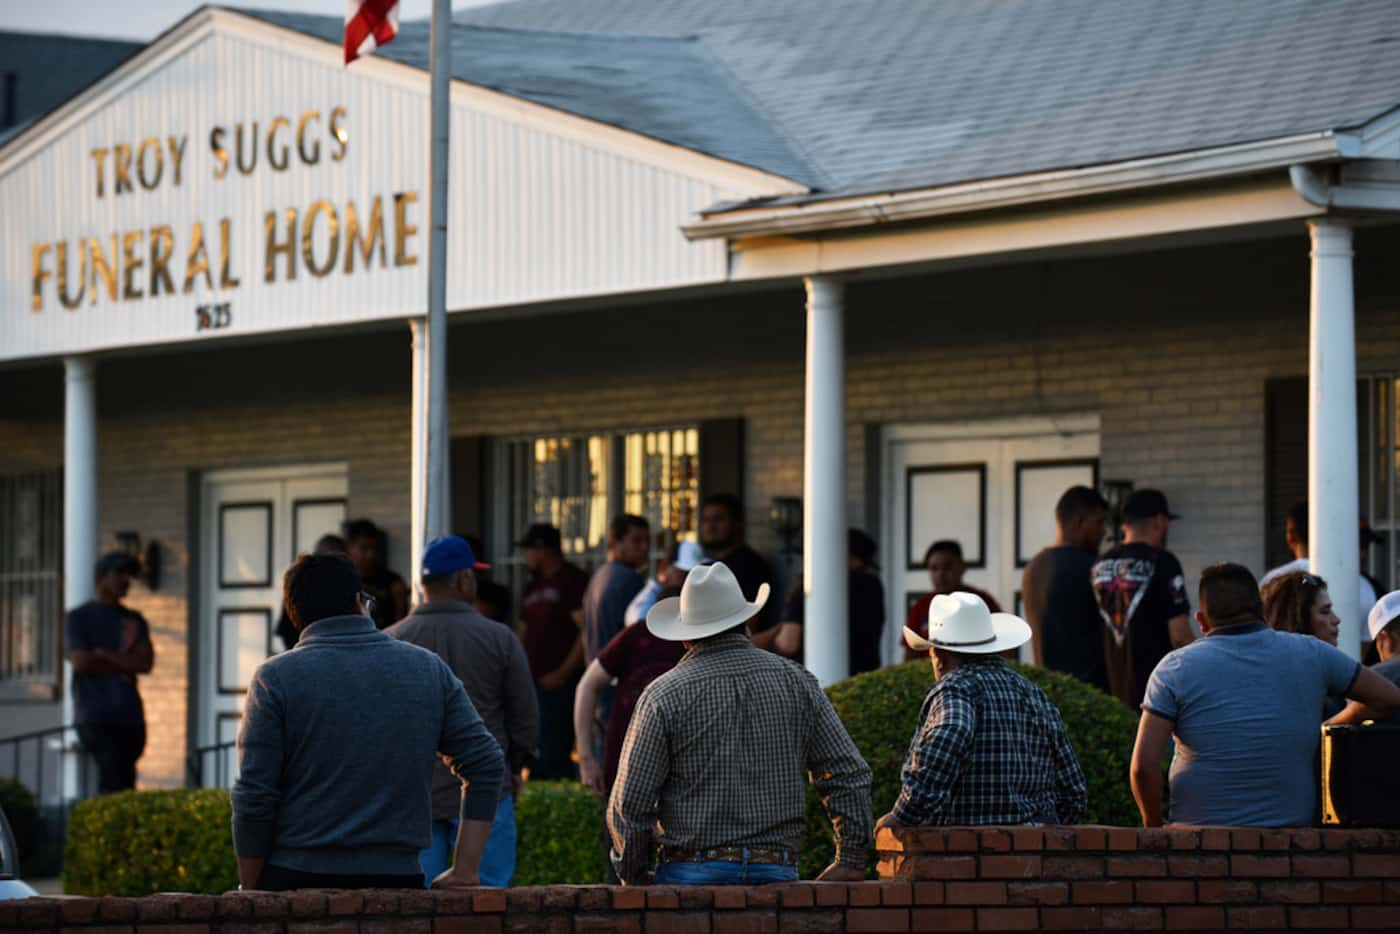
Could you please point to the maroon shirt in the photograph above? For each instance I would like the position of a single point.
(547, 611)
(635, 658)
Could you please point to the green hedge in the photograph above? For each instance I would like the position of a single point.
(139, 842)
(136, 843)
(560, 828)
(881, 711)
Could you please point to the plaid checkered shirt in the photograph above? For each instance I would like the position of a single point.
(718, 754)
(991, 750)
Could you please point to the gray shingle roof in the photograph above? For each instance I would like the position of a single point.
(48, 70)
(881, 95)
(669, 88)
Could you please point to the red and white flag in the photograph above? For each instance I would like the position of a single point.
(368, 25)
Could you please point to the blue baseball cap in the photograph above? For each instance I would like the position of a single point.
(448, 554)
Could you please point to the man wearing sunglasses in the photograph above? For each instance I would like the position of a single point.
(337, 745)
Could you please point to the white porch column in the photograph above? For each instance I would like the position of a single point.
(418, 487)
(79, 494)
(824, 561)
(1333, 498)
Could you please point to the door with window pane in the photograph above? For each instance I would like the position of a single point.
(254, 524)
(990, 487)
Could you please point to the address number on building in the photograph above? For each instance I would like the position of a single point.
(213, 317)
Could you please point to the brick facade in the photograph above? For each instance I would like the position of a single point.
(944, 879)
(1171, 348)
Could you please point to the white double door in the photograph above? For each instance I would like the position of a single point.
(990, 486)
(253, 523)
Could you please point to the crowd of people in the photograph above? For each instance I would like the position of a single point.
(658, 694)
(1243, 703)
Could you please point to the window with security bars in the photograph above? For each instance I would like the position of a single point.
(662, 479)
(578, 482)
(1378, 457)
(562, 481)
(1379, 452)
(31, 584)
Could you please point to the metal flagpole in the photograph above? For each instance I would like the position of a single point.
(435, 503)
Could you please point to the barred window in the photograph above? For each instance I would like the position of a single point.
(578, 482)
(662, 479)
(562, 481)
(31, 584)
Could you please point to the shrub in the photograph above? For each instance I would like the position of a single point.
(136, 843)
(560, 828)
(22, 812)
(881, 711)
(140, 842)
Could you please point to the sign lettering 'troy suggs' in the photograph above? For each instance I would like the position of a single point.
(131, 265)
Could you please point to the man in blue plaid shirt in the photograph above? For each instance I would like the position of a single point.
(991, 748)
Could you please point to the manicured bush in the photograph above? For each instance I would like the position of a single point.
(560, 835)
(22, 811)
(136, 843)
(140, 842)
(881, 711)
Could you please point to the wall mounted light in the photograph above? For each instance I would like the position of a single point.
(149, 556)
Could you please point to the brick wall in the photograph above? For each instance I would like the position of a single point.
(1121, 878)
(1172, 348)
(953, 879)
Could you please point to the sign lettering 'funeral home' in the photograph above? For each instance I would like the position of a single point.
(320, 238)
(236, 180)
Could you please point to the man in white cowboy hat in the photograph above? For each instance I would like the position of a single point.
(714, 767)
(991, 748)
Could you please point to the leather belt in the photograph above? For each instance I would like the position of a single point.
(764, 855)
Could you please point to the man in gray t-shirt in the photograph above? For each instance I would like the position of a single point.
(1242, 704)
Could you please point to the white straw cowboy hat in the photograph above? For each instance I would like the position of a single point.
(710, 602)
(960, 622)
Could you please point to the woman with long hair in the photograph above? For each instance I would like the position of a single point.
(1299, 602)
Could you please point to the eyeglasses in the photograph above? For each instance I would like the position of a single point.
(368, 603)
(1311, 581)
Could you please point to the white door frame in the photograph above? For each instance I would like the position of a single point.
(1014, 427)
(199, 693)
(1069, 423)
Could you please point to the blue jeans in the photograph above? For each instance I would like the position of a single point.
(497, 860)
(723, 873)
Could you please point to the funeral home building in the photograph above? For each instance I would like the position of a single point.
(910, 266)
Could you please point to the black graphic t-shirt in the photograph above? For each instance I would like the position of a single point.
(1138, 588)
